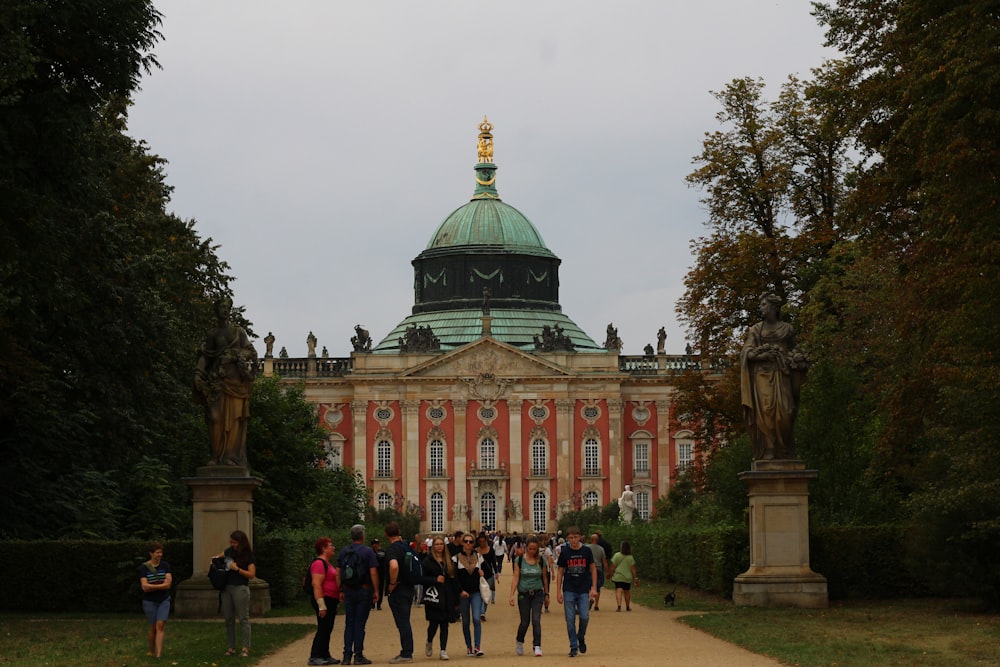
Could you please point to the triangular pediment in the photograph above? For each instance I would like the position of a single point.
(486, 357)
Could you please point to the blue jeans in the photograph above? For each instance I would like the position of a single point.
(573, 604)
(472, 606)
(357, 606)
(400, 602)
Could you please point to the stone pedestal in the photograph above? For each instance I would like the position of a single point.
(223, 502)
(779, 573)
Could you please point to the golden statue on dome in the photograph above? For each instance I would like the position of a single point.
(485, 141)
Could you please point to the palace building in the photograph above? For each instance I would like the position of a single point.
(487, 406)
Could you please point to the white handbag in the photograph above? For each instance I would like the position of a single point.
(484, 589)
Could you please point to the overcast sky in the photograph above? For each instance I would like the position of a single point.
(321, 143)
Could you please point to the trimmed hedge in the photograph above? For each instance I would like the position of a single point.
(865, 561)
(103, 576)
(705, 558)
(857, 561)
(80, 575)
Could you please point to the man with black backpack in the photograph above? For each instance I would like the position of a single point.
(359, 588)
(399, 556)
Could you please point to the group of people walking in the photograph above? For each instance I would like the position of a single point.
(458, 580)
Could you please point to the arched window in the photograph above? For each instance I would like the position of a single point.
(642, 504)
(591, 458)
(539, 458)
(383, 459)
(539, 512)
(333, 453)
(384, 501)
(487, 454)
(590, 499)
(437, 513)
(684, 441)
(436, 456)
(488, 511)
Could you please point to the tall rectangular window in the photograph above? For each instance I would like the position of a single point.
(642, 458)
(539, 458)
(437, 513)
(642, 504)
(436, 456)
(487, 454)
(383, 459)
(684, 450)
(591, 458)
(539, 512)
(488, 511)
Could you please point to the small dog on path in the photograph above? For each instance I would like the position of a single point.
(670, 599)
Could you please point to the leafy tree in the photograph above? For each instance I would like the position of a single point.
(926, 87)
(103, 295)
(285, 445)
(774, 178)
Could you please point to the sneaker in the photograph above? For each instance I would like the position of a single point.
(479, 652)
(346, 660)
(597, 607)
(572, 653)
(482, 617)
(519, 648)
(538, 651)
(546, 610)
(399, 659)
(361, 660)
(444, 654)
(428, 649)
(470, 653)
(583, 646)
(320, 661)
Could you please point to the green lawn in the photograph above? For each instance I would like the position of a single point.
(865, 633)
(917, 633)
(119, 640)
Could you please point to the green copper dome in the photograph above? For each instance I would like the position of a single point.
(485, 256)
(488, 222)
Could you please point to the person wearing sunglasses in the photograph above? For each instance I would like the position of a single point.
(469, 565)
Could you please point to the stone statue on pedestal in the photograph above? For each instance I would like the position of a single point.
(223, 378)
(771, 372)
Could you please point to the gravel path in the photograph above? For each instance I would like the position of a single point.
(641, 637)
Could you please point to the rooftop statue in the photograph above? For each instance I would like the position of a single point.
(361, 340)
(611, 340)
(223, 378)
(552, 339)
(485, 149)
(771, 372)
(419, 339)
(661, 341)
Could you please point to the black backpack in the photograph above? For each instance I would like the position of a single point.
(411, 570)
(307, 581)
(352, 568)
(218, 573)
